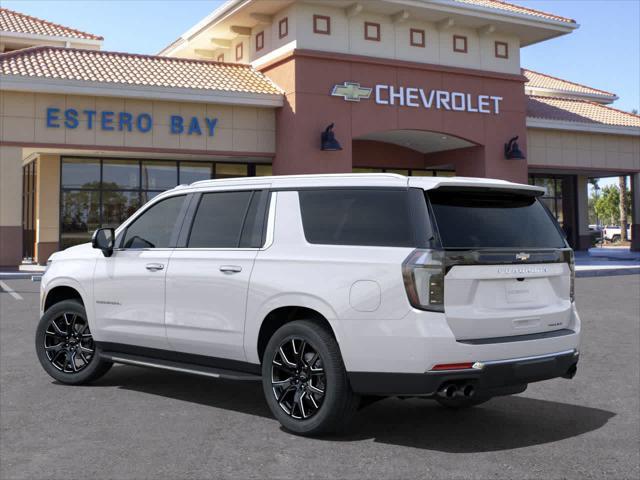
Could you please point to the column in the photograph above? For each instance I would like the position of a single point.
(47, 207)
(582, 204)
(10, 206)
(635, 211)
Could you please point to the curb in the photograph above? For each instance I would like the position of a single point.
(34, 277)
(614, 272)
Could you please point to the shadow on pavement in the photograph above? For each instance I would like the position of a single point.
(501, 424)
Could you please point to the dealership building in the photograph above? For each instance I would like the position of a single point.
(416, 87)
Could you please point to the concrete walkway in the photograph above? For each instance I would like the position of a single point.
(607, 261)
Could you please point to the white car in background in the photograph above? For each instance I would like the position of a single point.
(613, 233)
(331, 290)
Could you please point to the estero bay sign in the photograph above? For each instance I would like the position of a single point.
(418, 97)
(106, 120)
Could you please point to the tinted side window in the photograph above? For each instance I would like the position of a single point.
(376, 217)
(219, 219)
(253, 231)
(154, 228)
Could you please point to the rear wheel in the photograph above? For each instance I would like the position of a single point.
(304, 380)
(65, 346)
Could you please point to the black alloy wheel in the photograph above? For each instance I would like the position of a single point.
(304, 379)
(298, 379)
(68, 343)
(65, 346)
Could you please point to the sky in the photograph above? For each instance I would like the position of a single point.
(603, 53)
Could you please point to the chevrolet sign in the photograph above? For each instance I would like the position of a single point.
(416, 97)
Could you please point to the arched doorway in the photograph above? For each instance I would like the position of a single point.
(416, 152)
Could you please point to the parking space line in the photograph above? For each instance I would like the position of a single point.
(10, 291)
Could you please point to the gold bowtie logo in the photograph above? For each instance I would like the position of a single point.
(351, 91)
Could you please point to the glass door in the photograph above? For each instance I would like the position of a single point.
(29, 212)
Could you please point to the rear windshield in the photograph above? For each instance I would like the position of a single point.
(490, 219)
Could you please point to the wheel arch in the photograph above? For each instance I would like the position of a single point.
(286, 314)
(61, 292)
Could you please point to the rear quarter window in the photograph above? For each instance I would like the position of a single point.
(366, 217)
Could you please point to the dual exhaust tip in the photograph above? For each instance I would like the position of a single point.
(451, 390)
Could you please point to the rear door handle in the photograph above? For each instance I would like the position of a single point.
(154, 267)
(229, 269)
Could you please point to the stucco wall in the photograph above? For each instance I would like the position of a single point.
(565, 149)
(23, 119)
(10, 205)
(309, 77)
(347, 36)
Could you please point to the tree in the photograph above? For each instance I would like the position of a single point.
(608, 205)
(623, 207)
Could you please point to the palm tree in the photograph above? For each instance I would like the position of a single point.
(623, 207)
(596, 189)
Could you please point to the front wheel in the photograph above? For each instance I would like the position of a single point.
(65, 346)
(304, 380)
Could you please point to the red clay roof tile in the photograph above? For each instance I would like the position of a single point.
(580, 111)
(134, 69)
(11, 21)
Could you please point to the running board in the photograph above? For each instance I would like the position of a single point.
(201, 370)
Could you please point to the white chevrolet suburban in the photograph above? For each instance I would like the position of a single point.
(333, 290)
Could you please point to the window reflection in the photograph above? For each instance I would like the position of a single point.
(552, 197)
(264, 170)
(118, 206)
(79, 216)
(105, 192)
(231, 170)
(159, 175)
(80, 173)
(195, 171)
(122, 174)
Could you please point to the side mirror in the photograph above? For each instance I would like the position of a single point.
(104, 239)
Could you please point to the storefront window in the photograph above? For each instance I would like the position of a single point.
(159, 175)
(264, 170)
(78, 173)
(422, 173)
(412, 172)
(105, 192)
(117, 206)
(121, 174)
(79, 216)
(552, 197)
(230, 170)
(193, 172)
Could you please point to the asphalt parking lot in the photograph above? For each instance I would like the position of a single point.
(136, 423)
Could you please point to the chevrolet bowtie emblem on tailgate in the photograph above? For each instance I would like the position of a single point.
(351, 91)
(522, 256)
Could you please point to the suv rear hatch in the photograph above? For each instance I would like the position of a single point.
(508, 269)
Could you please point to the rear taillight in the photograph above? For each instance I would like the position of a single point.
(570, 258)
(423, 273)
(572, 287)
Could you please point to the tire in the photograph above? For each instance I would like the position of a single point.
(65, 347)
(292, 382)
(460, 403)
(615, 238)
